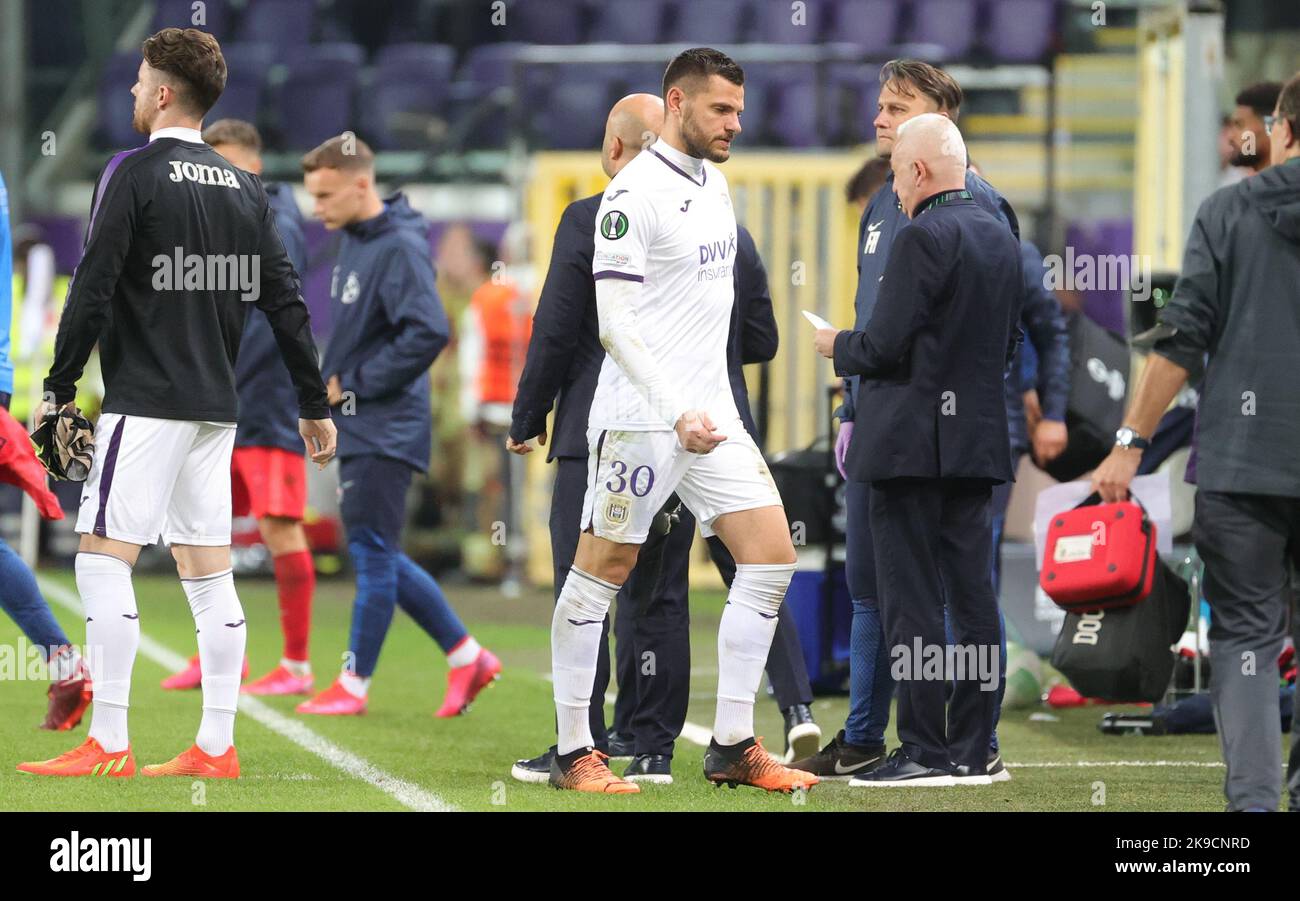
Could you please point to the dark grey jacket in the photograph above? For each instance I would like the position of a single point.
(1235, 314)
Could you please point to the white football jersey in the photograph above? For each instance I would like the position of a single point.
(666, 221)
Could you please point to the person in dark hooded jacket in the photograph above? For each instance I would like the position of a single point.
(1235, 318)
(388, 327)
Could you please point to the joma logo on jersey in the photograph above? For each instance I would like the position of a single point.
(717, 250)
(203, 174)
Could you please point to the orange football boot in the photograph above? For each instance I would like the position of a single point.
(87, 759)
(754, 767)
(590, 773)
(194, 762)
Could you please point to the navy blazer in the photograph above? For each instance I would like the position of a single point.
(936, 349)
(565, 353)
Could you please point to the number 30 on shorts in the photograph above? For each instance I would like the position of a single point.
(640, 480)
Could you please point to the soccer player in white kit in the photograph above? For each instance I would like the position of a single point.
(664, 420)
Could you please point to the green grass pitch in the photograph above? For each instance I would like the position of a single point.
(465, 762)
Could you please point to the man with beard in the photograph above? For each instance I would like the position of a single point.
(1248, 137)
(664, 419)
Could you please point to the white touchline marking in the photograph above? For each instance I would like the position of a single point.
(405, 793)
(697, 734)
(1127, 763)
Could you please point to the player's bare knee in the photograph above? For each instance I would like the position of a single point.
(195, 562)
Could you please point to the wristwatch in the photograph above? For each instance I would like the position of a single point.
(1127, 437)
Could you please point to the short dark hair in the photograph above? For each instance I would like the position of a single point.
(1288, 103)
(233, 131)
(345, 151)
(192, 58)
(867, 180)
(701, 62)
(907, 76)
(1261, 97)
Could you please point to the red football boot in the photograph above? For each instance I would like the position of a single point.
(192, 676)
(465, 682)
(334, 701)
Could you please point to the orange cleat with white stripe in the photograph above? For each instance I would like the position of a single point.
(194, 762)
(87, 759)
(748, 763)
(589, 773)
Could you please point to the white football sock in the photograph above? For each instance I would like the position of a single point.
(222, 634)
(464, 653)
(744, 639)
(112, 637)
(299, 668)
(576, 628)
(355, 685)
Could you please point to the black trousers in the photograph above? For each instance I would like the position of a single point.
(932, 539)
(655, 663)
(1249, 543)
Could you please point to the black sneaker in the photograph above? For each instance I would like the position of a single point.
(620, 745)
(655, 768)
(996, 769)
(536, 770)
(841, 760)
(802, 735)
(1131, 724)
(971, 775)
(901, 770)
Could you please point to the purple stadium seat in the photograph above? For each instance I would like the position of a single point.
(180, 14)
(409, 85)
(282, 22)
(781, 99)
(549, 22)
(695, 24)
(490, 65)
(242, 98)
(870, 24)
(1020, 31)
(339, 54)
(949, 24)
(246, 71)
(627, 21)
(849, 94)
(487, 68)
(773, 23)
(116, 104)
(315, 101)
(574, 115)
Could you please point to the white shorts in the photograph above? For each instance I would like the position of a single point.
(159, 477)
(631, 474)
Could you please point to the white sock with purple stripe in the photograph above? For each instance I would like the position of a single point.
(222, 634)
(112, 637)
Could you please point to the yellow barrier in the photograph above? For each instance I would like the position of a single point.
(794, 206)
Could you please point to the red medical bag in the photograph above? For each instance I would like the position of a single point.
(1099, 556)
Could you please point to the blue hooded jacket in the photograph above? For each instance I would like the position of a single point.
(881, 221)
(389, 326)
(268, 402)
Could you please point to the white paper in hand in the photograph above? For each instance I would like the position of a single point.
(816, 320)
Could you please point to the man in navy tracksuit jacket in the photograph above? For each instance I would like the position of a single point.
(908, 88)
(388, 326)
(563, 364)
